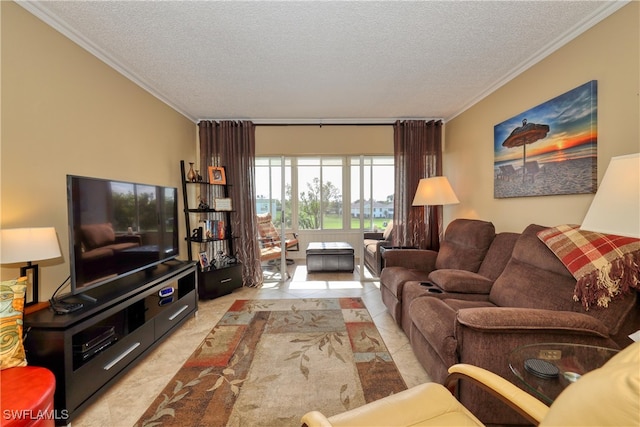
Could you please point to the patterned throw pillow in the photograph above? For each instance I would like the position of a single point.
(604, 265)
(12, 294)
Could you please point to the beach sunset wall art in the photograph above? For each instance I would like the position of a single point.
(550, 149)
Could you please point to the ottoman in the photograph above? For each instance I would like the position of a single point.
(329, 256)
(26, 397)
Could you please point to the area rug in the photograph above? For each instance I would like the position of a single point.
(268, 362)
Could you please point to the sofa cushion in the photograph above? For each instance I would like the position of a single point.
(96, 235)
(465, 244)
(386, 235)
(534, 277)
(371, 246)
(498, 255)
(12, 300)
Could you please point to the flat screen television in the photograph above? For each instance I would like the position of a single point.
(118, 228)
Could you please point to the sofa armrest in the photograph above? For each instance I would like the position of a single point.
(460, 281)
(373, 235)
(414, 259)
(528, 320)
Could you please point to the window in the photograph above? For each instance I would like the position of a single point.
(376, 199)
(269, 188)
(329, 191)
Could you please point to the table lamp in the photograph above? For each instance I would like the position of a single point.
(615, 208)
(434, 191)
(27, 245)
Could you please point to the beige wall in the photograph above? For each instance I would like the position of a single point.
(609, 53)
(66, 112)
(328, 139)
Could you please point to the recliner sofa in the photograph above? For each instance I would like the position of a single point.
(464, 246)
(530, 301)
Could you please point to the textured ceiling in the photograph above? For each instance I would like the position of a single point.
(329, 61)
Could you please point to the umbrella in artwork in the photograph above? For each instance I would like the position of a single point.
(528, 133)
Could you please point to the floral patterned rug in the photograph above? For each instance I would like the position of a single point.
(268, 362)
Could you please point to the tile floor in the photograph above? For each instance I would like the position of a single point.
(126, 401)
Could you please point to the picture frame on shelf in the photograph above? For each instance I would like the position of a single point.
(222, 204)
(204, 260)
(217, 175)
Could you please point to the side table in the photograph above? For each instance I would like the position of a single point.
(548, 368)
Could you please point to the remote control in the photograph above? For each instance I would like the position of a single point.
(65, 308)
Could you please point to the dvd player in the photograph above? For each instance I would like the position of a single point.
(92, 341)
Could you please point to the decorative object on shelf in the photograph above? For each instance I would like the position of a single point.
(220, 259)
(197, 234)
(203, 205)
(27, 245)
(191, 175)
(204, 260)
(222, 204)
(217, 175)
(198, 176)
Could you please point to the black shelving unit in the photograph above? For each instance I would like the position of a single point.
(220, 278)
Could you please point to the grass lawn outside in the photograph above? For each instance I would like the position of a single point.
(334, 222)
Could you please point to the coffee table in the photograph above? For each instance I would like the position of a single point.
(548, 368)
(330, 256)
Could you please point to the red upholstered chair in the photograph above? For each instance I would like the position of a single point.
(26, 397)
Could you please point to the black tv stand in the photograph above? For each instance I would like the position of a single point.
(89, 349)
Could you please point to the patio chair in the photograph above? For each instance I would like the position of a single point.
(269, 237)
(271, 255)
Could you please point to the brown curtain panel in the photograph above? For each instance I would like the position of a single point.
(231, 144)
(417, 155)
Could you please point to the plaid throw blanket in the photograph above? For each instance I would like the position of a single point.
(604, 265)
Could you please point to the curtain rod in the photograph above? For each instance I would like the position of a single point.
(329, 122)
(324, 124)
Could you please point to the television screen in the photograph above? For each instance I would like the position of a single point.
(117, 228)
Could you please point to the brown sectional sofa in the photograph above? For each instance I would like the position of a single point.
(531, 300)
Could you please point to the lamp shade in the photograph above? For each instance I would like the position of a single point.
(28, 244)
(615, 208)
(434, 191)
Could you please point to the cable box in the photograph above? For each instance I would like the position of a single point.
(87, 340)
(85, 355)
